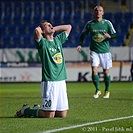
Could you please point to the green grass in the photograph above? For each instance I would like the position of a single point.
(83, 108)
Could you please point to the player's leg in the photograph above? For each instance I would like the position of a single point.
(49, 99)
(62, 102)
(61, 114)
(46, 114)
(26, 111)
(95, 78)
(48, 104)
(107, 79)
(106, 62)
(54, 98)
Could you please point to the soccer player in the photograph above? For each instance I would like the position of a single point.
(101, 30)
(53, 85)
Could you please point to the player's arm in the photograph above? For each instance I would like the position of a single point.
(106, 35)
(82, 36)
(111, 31)
(66, 28)
(113, 35)
(81, 39)
(38, 33)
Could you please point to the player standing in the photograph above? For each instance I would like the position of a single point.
(100, 31)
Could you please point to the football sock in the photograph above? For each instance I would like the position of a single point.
(107, 83)
(95, 79)
(31, 112)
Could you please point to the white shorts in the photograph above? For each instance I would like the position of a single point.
(105, 60)
(54, 95)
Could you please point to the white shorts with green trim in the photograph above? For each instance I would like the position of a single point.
(54, 95)
(104, 60)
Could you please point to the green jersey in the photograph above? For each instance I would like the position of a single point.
(97, 29)
(52, 58)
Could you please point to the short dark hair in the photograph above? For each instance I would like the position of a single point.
(42, 22)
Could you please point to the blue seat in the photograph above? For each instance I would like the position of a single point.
(68, 9)
(118, 15)
(124, 27)
(37, 10)
(67, 19)
(47, 10)
(27, 10)
(32, 43)
(2, 44)
(72, 41)
(108, 16)
(6, 41)
(17, 11)
(58, 8)
(8, 10)
(27, 39)
(87, 17)
(86, 42)
(1, 10)
(120, 37)
(114, 43)
(16, 39)
(128, 16)
(65, 45)
(22, 43)
(11, 43)
(77, 17)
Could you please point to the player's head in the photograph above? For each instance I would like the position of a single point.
(98, 11)
(46, 27)
(42, 24)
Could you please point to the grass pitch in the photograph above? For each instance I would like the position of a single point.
(83, 108)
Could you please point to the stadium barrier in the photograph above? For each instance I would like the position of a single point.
(76, 71)
(22, 65)
(31, 55)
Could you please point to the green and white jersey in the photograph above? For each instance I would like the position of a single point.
(97, 29)
(52, 58)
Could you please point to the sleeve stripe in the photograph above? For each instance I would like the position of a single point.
(111, 25)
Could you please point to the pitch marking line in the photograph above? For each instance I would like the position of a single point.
(86, 124)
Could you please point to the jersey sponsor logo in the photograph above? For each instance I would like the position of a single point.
(58, 58)
(98, 38)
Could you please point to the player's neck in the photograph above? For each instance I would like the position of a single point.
(49, 37)
(98, 19)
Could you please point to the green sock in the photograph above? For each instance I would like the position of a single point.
(107, 83)
(95, 79)
(31, 112)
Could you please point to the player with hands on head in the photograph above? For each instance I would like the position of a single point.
(53, 84)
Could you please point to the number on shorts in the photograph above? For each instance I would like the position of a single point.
(48, 103)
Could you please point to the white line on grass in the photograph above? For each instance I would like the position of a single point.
(86, 124)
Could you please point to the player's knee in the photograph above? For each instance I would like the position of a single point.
(46, 114)
(61, 114)
(94, 70)
(106, 72)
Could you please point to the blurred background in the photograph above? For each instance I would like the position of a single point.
(19, 18)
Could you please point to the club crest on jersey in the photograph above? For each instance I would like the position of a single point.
(98, 38)
(58, 58)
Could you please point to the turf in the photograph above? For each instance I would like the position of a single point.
(83, 108)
